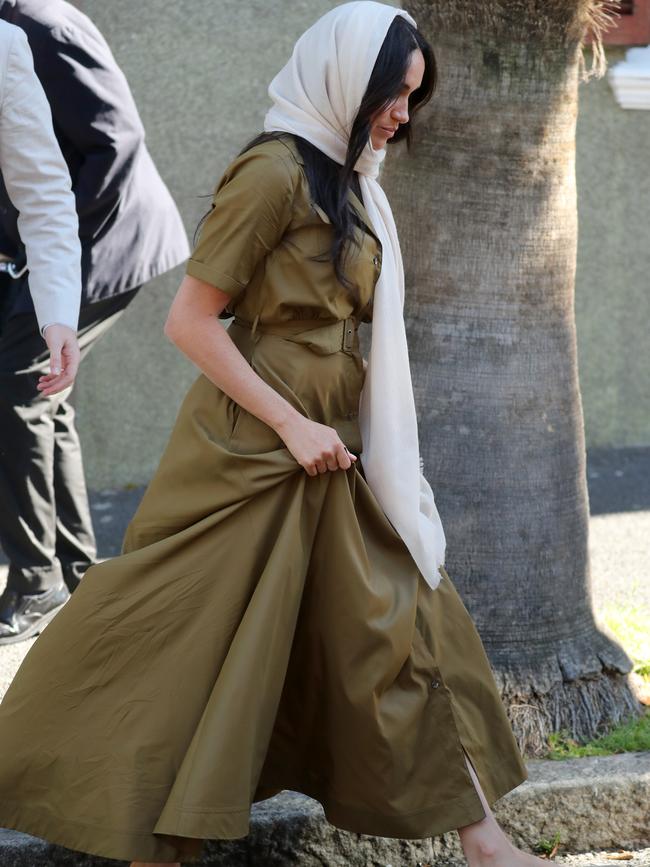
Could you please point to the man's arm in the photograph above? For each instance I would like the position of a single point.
(38, 184)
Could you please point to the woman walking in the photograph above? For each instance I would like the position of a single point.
(280, 617)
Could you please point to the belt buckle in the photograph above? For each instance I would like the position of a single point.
(348, 333)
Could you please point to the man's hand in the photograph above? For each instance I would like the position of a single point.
(64, 359)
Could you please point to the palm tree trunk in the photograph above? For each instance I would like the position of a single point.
(486, 208)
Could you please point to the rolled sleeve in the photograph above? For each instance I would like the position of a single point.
(251, 210)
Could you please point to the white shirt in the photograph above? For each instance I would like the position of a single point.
(38, 183)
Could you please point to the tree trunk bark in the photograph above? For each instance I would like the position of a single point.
(485, 204)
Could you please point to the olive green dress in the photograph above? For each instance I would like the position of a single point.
(263, 629)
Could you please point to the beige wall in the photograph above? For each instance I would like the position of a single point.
(199, 73)
(613, 280)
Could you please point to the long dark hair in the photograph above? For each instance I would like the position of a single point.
(330, 182)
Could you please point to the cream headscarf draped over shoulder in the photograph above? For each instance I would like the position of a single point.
(317, 95)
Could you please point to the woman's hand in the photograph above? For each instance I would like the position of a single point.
(317, 447)
(64, 359)
(192, 325)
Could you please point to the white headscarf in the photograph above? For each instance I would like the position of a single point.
(317, 95)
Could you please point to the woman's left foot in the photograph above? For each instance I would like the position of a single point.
(154, 864)
(502, 856)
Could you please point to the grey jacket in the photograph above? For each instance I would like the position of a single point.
(129, 226)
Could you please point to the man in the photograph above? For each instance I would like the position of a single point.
(130, 231)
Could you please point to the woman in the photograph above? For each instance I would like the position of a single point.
(267, 626)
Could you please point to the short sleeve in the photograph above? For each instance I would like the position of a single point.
(251, 210)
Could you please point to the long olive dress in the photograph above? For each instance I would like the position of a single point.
(264, 629)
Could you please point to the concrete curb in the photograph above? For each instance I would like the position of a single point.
(602, 802)
(593, 803)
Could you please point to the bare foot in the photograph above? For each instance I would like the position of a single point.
(527, 860)
(154, 864)
(503, 854)
(485, 844)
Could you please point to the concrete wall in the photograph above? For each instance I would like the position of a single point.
(199, 73)
(613, 279)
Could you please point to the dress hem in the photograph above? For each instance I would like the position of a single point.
(457, 813)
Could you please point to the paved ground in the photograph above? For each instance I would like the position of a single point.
(619, 500)
(608, 859)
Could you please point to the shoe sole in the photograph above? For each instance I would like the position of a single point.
(34, 629)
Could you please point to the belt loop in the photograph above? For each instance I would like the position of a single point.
(255, 324)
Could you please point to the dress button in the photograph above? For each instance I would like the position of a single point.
(435, 684)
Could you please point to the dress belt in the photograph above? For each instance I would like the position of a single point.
(331, 336)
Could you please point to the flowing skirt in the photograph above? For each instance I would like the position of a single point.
(262, 630)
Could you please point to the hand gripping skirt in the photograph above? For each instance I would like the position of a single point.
(262, 630)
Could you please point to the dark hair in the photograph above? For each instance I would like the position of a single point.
(330, 182)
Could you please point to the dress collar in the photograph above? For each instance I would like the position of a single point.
(355, 201)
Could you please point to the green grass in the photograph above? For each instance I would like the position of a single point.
(629, 626)
(547, 847)
(630, 737)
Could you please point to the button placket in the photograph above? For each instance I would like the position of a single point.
(376, 261)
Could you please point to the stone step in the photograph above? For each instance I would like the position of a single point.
(597, 805)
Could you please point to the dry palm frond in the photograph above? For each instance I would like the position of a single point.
(551, 22)
(599, 15)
